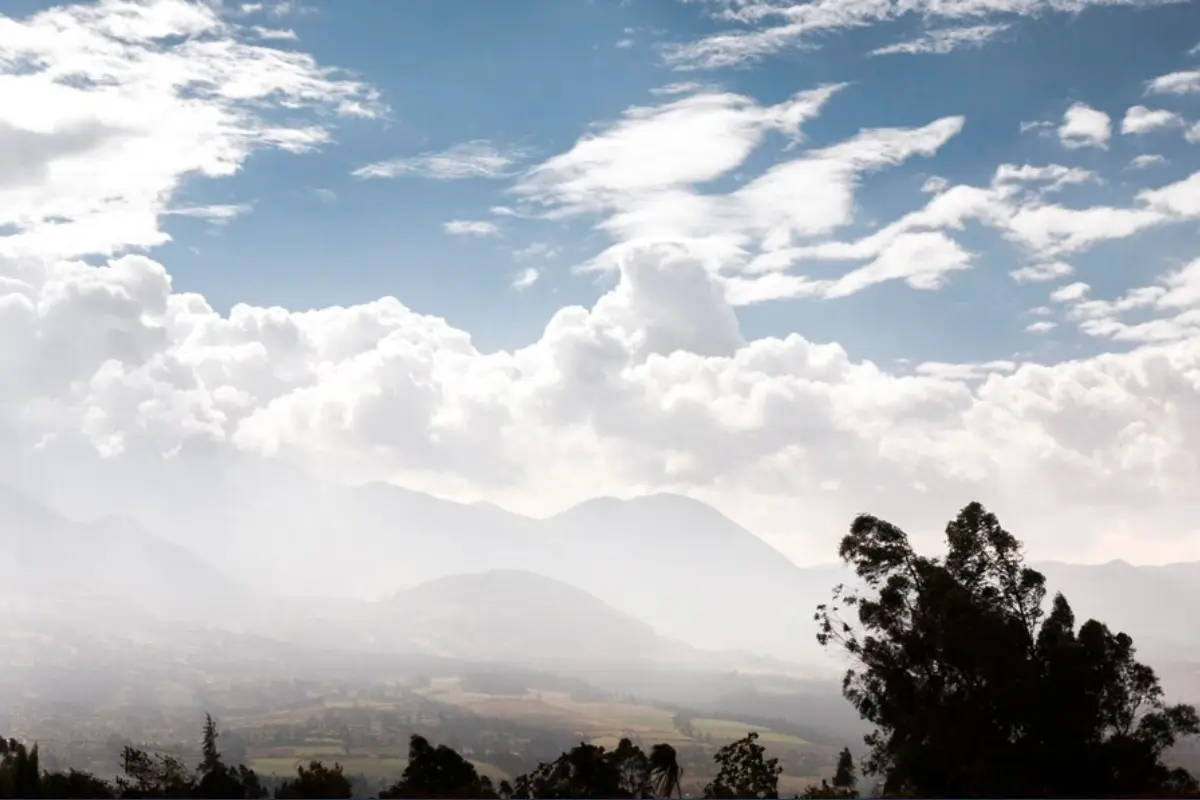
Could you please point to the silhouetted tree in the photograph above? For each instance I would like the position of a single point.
(633, 770)
(156, 775)
(743, 772)
(665, 773)
(844, 776)
(438, 772)
(843, 784)
(75, 784)
(218, 781)
(587, 771)
(975, 692)
(318, 782)
(20, 773)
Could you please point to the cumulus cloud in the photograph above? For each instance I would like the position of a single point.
(1182, 82)
(943, 40)
(1139, 120)
(526, 278)
(652, 386)
(474, 159)
(1084, 126)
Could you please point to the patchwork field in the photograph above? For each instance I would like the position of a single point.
(374, 767)
(598, 722)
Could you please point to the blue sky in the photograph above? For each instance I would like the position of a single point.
(795, 258)
(534, 76)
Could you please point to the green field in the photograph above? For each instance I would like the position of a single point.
(372, 767)
(721, 730)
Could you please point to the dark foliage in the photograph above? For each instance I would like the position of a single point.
(743, 772)
(438, 772)
(975, 692)
(316, 782)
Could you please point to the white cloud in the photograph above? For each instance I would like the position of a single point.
(1041, 127)
(1183, 82)
(280, 34)
(217, 214)
(526, 278)
(774, 25)
(166, 85)
(652, 386)
(1084, 126)
(1041, 326)
(1070, 292)
(1192, 134)
(638, 175)
(536, 251)
(471, 227)
(934, 184)
(1040, 273)
(474, 159)
(1139, 120)
(1170, 308)
(679, 87)
(1146, 160)
(943, 40)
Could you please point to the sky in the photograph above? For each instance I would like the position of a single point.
(798, 260)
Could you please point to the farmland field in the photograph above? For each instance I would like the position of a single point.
(373, 768)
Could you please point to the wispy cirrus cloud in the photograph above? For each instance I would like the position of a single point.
(943, 40)
(478, 158)
(1146, 160)
(172, 87)
(471, 227)
(769, 26)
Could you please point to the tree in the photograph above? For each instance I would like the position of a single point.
(843, 784)
(74, 783)
(974, 691)
(318, 782)
(665, 772)
(633, 770)
(588, 770)
(218, 781)
(158, 775)
(20, 773)
(743, 772)
(211, 757)
(438, 772)
(843, 775)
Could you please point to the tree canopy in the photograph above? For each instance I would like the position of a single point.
(975, 691)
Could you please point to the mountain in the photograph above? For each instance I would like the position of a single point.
(676, 564)
(46, 558)
(691, 572)
(519, 617)
(1154, 604)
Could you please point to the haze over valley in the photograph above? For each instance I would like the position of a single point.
(637, 389)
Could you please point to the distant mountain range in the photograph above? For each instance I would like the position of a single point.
(641, 576)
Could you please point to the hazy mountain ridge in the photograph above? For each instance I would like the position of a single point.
(666, 562)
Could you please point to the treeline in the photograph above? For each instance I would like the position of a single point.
(972, 688)
(585, 771)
